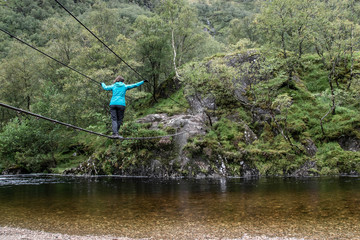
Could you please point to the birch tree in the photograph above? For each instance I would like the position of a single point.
(184, 28)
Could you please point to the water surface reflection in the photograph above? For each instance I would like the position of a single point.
(317, 208)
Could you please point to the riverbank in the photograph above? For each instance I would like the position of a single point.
(9, 233)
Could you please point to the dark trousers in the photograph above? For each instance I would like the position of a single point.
(117, 116)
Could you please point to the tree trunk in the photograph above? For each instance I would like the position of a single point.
(174, 52)
(283, 44)
(155, 66)
(321, 121)
(154, 87)
(284, 132)
(351, 58)
(28, 102)
(330, 76)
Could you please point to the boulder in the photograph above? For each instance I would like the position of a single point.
(247, 65)
(310, 147)
(86, 168)
(190, 125)
(349, 143)
(309, 168)
(249, 135)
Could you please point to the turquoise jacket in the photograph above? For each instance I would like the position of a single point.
(118, 91)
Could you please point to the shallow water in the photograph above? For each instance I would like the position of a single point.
(311, 208)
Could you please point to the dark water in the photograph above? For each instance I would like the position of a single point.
(313, 208)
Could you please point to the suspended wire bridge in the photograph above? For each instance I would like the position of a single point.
(19, 110)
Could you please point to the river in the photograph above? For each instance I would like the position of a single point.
(310, 208)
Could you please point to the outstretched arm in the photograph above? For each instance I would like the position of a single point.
(107, 88)
(134, 85)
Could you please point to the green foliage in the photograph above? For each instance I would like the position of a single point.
(332, 159)
(20, 77)
(214, 79)
(344, 123)
(314, 75)
(25, 17)
(28, 144)
(216, 16)
(285, 24)
(153, 46)
(176, 105)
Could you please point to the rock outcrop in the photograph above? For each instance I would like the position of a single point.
(86, 168)
(190, 125)
(349, 143)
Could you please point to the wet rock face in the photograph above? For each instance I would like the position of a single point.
(203, 107)
(86, 168)
(249, 135)
(191, 125)
(247, 65)
(241, 58)
(14, 171)
(248, 171)
(200, 104)
(310, 148)
(349, 143)
(308, 169)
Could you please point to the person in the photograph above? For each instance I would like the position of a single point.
(117, 103)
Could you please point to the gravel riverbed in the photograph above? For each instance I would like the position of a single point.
(10, 233)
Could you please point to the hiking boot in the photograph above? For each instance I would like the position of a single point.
(116, 135)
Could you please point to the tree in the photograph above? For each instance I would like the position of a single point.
(282, 103)
(334, 40)
(26, 16)
(353, 15)
(153, 48)
(216, 15)
(104, 22)
(285, 26)
(186, 35)
(62, 34)
(20, 78)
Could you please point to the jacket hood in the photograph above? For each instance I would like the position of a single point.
(119, 84)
